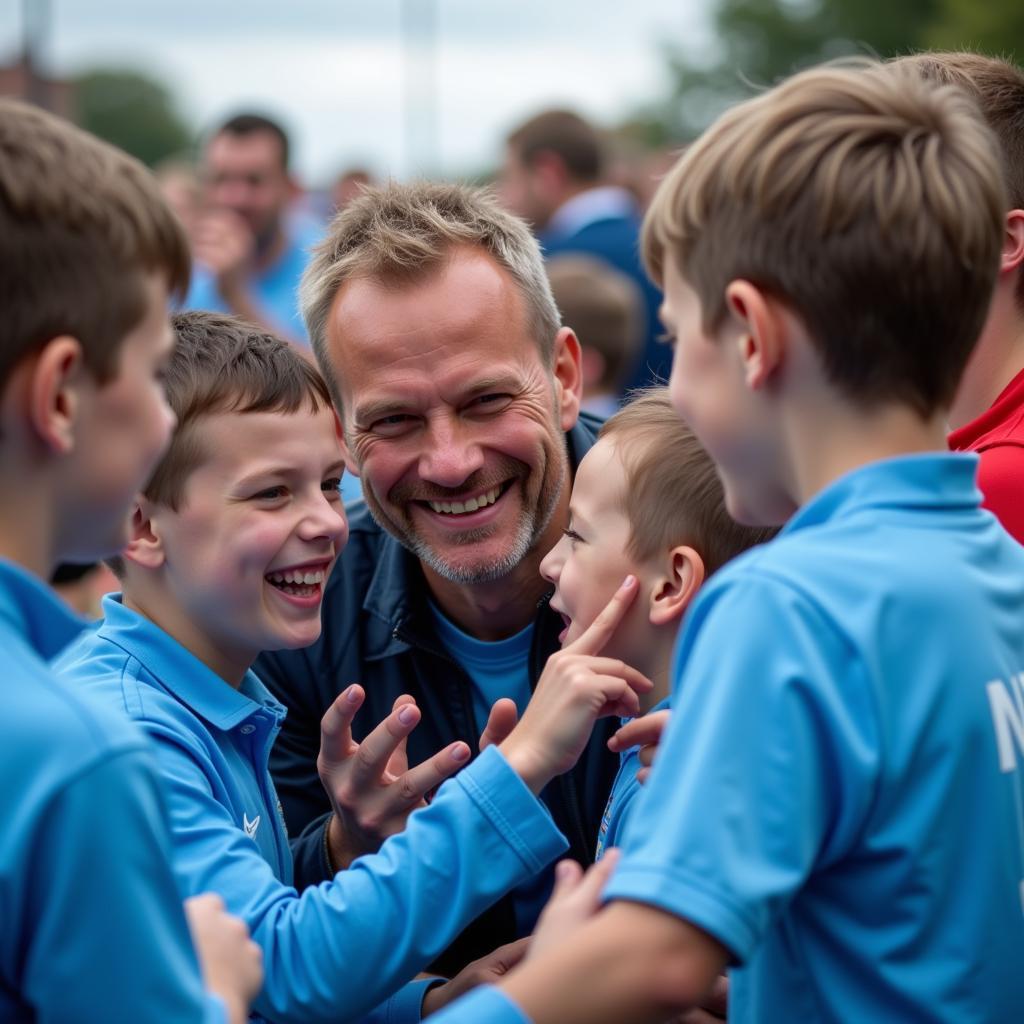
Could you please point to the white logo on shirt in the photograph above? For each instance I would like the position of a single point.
(250, 826)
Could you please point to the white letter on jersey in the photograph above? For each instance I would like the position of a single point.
(1007, 706)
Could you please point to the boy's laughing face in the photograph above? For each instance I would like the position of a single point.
(591, 560)
(249, 550)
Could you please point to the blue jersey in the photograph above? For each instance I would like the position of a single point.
(91, 920)
(838, 798)
(625, 790)
(341, 948)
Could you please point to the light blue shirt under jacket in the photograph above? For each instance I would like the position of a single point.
(839, 798)
(339, 949)
(91, 921)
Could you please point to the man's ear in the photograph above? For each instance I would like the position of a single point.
(145, 547)
(56, 377)
(568, 374)
(677, 586)
(762, 327)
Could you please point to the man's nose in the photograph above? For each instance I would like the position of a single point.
(452, 454)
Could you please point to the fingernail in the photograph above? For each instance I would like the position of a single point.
(460, 753)
(351, 695)
(407, 714)
(629, 581)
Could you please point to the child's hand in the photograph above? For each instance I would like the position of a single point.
(232, 964)
(575, 899)
(371, 788)
(488, 970)
(576, 688)
(646, 732)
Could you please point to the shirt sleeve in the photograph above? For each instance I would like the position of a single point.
(484, 1005)
(110, 938)
(767, 768)
(1001, 481)
(344, 946)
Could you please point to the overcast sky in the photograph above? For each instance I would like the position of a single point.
(335, 70)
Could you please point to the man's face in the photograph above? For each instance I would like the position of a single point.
(125, 425)
(244, 174)
(452, 419)
(524, 191)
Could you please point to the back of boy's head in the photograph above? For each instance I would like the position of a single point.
(81, 223)
(605, 309)
(673, 495)
(997, 86)
(223, 365)
(869, 202)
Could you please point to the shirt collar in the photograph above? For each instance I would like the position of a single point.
(181, 672)
(604, 203)
(32, 610)
(933, 480)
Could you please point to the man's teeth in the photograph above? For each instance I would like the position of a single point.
(459, 507)
(297, 576)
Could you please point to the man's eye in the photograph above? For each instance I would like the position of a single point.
(389, 426)
(491, 402)
(269, 494)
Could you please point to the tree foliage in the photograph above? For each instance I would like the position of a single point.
(760, 41)
(133, 112)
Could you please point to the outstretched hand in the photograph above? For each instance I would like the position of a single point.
(371, 788)
(577, 687)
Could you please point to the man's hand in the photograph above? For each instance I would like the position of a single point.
(371, 788)
(645, 732)
(224, 243)
(488, 970)
(575, 899)
(576, 688)
(232, 964)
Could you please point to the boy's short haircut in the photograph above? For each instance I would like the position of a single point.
(673, 494)
(81, 223)
(222, 364)
(997, 86)
(605, 308)
(869, 201)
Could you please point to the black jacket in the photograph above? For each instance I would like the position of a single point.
(379, 632)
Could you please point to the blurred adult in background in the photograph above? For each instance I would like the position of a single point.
(554, 175)
(349, 185)
(606, 310)
(249, 254)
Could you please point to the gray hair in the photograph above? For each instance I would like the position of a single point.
(398, 232)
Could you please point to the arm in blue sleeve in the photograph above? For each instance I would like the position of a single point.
(110, 939)
(484, 1005)
(344, 946)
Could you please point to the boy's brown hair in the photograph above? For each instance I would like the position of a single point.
(222, 364)
(673, 494)
(81, 223)
(605, 309)
(869, 201)
(997, 86)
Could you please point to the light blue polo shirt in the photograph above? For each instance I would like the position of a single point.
(342, 948)
(838, 798)
(91, 921)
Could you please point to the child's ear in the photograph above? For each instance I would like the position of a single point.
(676, 588)
(762, 325)
(55, 379)
(145, 547)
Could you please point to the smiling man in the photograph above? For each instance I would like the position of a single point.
(430, 313)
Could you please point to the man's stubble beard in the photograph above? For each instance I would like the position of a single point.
(532, 526)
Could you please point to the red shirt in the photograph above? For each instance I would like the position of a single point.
(997, 435)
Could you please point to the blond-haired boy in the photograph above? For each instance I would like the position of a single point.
(646, 500)
(91, 922)
(836, 808)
